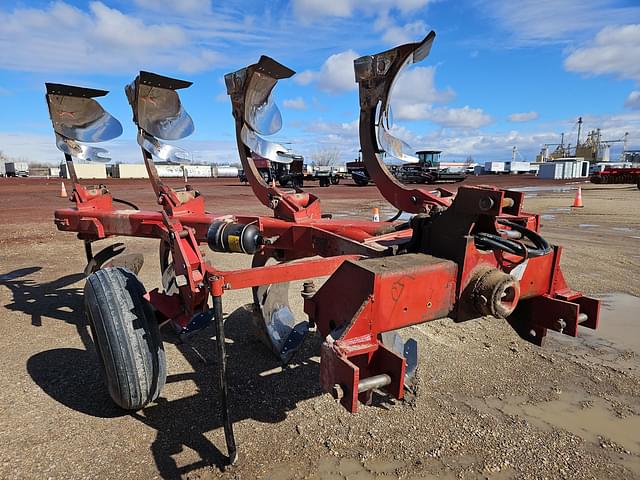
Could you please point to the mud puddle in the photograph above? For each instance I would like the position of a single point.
(591, 418)
(332, 468)
(610, 423)
(588, 417)
(619, 323)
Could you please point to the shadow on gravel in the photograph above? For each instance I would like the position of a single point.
(71, 376)
(259, 390)
(58, 299)
(68, 375)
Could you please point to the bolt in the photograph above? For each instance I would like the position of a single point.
(337, 392)
(486, 203)
(561, 324)
(308, 289)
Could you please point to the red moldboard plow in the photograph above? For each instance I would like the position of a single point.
(464, 256)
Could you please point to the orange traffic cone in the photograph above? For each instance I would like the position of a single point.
(63, 191)
(376, 214)
(577, 202)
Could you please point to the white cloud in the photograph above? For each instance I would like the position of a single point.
(523, 117)
(394, 34)
(415, 91)
(295, 103)
(115, 29)
(310, 10)
(633, 100)
(336, 74)
(532, 22)
(409, 32)
(614, 50)
(305, 78)
(460, 118)
(102, 39)
(187, 7)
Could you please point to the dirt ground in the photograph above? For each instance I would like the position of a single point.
(488, 404)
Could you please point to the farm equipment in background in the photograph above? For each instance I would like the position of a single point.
(465, 256)
(325, 175)
(427, 170)
(423, 168)
(287, 170)
(609, 175)
(293, 172)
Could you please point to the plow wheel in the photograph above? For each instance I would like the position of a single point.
(126, 336)
(273, 318)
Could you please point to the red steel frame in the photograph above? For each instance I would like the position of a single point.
(371, 290)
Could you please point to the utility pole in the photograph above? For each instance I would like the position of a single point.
(579, 128)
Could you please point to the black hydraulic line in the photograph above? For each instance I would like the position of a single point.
(222, 379)
(125, 202)
(395, 217)
(496, 242)
(490, 241)
(542, 246)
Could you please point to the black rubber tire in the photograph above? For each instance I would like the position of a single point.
(335, 180)
(126, 336)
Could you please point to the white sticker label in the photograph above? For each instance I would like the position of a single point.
(518, 272)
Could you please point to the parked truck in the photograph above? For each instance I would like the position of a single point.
(325, 174)
(17, 169)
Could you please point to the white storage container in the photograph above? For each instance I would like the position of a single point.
(172, 171)
(519, 167)
(551, 170)
(494, 167)
(130, 170)
(86, 170)
(224, 171)
(198, 171)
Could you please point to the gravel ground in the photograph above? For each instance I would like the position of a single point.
(487, 404)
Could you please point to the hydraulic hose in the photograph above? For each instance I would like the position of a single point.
(496, 242)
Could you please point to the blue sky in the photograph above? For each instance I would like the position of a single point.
(500, 73)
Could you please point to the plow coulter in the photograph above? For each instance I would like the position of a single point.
(462, 256)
